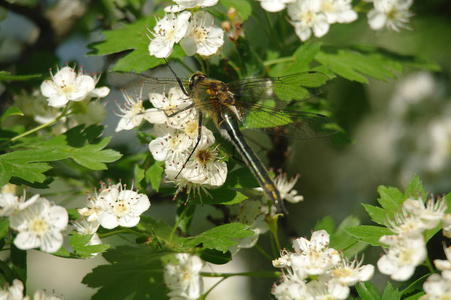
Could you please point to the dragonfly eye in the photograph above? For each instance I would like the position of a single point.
(196, 78)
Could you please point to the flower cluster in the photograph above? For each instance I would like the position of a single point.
(391, 14)
(439, 286)
(309, 16)
(195, 32)
(182, 277)
(407, 247)
(177, 130)
(38, 223)
(68, 85)
(315, 270)
(15, 292)
(316, 16)
(113, 206)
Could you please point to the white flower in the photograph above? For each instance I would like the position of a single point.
(347, 274)
(202, 36)
(40, 225)
(405, 224)
(172, 146)
(91, 212)
(42, 295)
(188, 4)
(430, 214)
(275, 5)
(168, 31)
(393, 14)
(401, 259)
(204, 166)
(447, 225)
(251, 214)
(437, 287)
(444, 264)
(291, 287)
(338, 11)
(286, 186)
(66, 85)
(13, 292)
(312, 257)
(173, 110)
(306, 16)
(132, 113)
(121, 207)
(182, 277)
(83, 226)
(10, 204)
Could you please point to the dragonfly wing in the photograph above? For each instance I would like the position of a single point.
(299, 86)
(293, 124)
(142, 84)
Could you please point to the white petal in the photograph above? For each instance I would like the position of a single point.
(108, 220)
(58, 217)
(100, 92)
(376, 19)
(48, 88)
(26, 240)
(58, 101)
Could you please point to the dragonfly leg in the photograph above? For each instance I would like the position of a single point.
(179, 81)
(199, 136)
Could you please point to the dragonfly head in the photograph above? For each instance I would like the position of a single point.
(195, 79)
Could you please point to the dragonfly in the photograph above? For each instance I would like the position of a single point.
(240, 102)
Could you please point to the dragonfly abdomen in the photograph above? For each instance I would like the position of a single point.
(227, 123)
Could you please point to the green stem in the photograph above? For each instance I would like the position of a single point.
(277, 60)
(263, 252)
(122, 230)
(180, 218)
(63, 114)
(261, 274)
(428, 264)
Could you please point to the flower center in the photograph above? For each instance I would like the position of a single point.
(308, 17)
(67, 89)
(121, 208)
(198, 34)
(204, 156)
(38, 226)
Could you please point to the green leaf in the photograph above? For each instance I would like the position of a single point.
(300, 62)
(390, 294)
(243, 8)
(79, 242)
(215, 256)
(11, 111)
(414, 287)
(326, 223)
(343, 241)
(377, 214)
(7, 77)
(369, 234)
(372, 61)
(390, 199)
(367, 291)
(24, 164)
(82, 145)
(219, 238)
(154, 175)
(4, 225)
(159, 228)
(133, 38)
(133, 273)
(415, 189)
